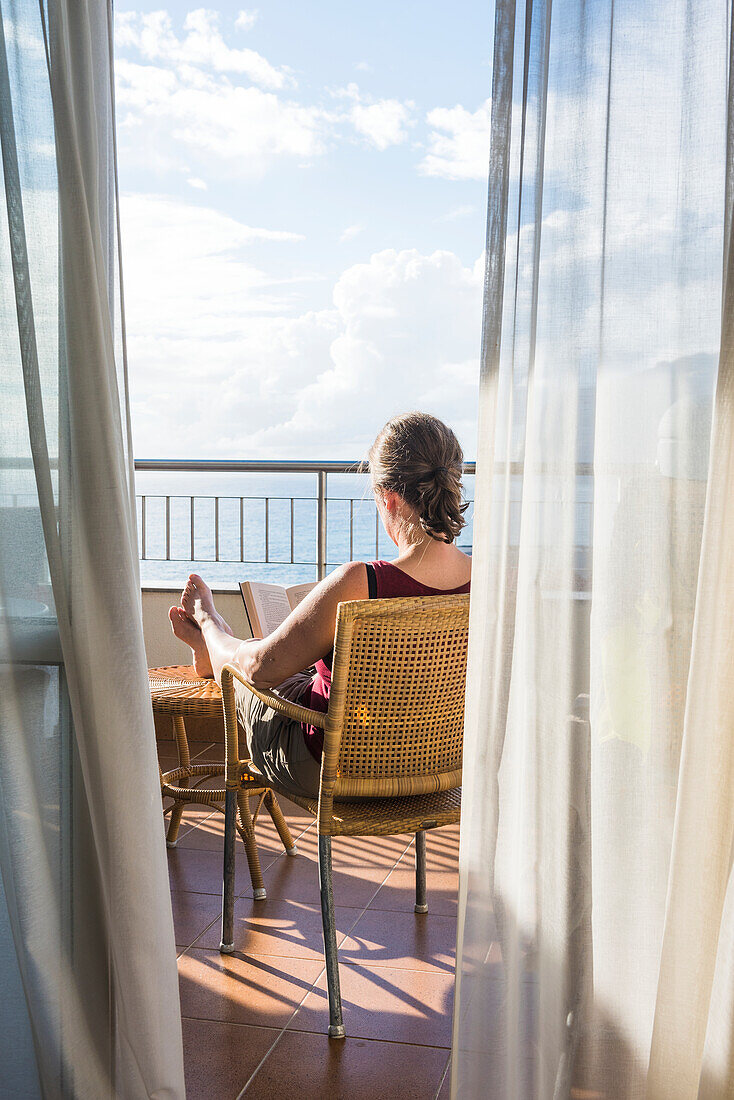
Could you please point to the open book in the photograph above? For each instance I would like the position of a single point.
(268, 605)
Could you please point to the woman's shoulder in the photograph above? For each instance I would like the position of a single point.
(349, 581)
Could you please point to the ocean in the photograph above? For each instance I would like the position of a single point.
(241, 527)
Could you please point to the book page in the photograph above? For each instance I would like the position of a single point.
(298, 592)
(271, 604)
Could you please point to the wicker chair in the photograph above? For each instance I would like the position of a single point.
(392, 742)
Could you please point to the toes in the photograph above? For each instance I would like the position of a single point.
(186, 618)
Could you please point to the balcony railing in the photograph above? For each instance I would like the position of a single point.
(156, 530)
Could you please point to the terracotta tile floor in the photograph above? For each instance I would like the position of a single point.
(254, 1023)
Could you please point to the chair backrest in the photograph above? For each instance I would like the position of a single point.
(396, 712)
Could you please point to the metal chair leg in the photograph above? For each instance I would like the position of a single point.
(421, 902)
(230, 816)
(336, 1023)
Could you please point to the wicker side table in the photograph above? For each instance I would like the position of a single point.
(178, 692)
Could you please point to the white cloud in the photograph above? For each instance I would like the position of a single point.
(196, 183)
(458, 145)
(205, 322)
(190, 103)
(202, 45)
(408, 337)
(383, 122)
(350, 233)
(186, 269)
(246, 20)
(173, 118)
(225, 360)
(363, 67)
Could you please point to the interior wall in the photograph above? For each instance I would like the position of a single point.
(162, 648)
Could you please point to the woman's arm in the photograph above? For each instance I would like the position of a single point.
(308, 632)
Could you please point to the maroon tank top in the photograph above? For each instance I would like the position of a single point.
(387, 582)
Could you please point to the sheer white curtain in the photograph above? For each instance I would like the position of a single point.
(90, 999)
(596, 933)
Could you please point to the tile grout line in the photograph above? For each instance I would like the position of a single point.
(186, 831)
(443, 1076)
(272, 1047)
(243, 894)
(238, 897)
(361, 1038)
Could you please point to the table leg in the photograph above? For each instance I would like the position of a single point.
(184, 759)
(248, 837)
(182, 742)
(280, 824)
(173, 825)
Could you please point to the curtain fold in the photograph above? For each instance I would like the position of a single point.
(596, 945)
(85, 894)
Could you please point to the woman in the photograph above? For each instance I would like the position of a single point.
(416, 467)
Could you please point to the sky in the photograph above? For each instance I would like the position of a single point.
(303, 205)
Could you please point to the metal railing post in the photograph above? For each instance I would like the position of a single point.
(216, 466)
(216, 528)
(321, 526)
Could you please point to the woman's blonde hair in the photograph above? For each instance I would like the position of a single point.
(418, 456)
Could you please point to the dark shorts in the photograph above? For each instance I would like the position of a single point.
(275, 742)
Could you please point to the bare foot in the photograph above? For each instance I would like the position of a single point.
(198, 603)
(187, 630)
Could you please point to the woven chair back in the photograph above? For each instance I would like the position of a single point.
(396, 711)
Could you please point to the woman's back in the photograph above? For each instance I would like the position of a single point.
(385, 580)
(439, 566)
(392, 580)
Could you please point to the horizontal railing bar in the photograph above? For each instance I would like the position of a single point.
(256, 466)
(239, 561)
(260, 496)
(285, 466)
(228, 496)
(361, 509)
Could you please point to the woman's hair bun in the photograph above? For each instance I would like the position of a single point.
(419, 457)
